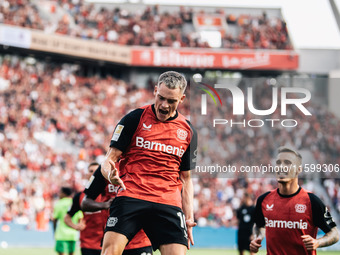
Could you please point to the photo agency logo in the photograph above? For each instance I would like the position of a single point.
(204, 97)
(247, 100)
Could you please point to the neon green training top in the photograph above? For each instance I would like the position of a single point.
(64, 232)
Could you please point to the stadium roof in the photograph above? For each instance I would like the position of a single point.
(311, 23)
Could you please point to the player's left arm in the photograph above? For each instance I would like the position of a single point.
(75, 207)
(322, 219)
(90, 205)
(189, 162)
(68, 221)
(328, 239)
(187, 204)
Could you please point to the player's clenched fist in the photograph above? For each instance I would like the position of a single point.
(310, 243)
(255, 244)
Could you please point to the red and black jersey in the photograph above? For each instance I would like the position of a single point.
(154, 152)
(91, 236)
(287, 218)
(99, 188)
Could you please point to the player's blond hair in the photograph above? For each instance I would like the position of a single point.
(173, 80)
(291, 150)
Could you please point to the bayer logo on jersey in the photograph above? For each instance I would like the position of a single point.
(299, 208)
(182, 134)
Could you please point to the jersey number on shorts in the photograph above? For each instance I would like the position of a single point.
(183, 224)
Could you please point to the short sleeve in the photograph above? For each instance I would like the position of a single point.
(321, 216)
(96, 185)
(189, 157)
(125, 130)
(75, 205)
(258, 214)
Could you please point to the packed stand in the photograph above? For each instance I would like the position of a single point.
(55, 121)
(148, 27)
(242, 145)
(21, 13)
(318, 133)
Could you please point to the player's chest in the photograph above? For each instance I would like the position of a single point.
(289, 209)
(164, 136)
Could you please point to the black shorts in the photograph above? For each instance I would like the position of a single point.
(139, 251)
(163, 224)
(85, 251)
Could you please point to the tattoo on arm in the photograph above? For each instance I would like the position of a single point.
(259, 232)
(330, 238)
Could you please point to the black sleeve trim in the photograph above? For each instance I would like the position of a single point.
(258, 214)
(96, 185)
(75, 205)
(321, 216)
(189, 157)
(130, 123)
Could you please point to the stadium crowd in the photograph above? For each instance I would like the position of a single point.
(241, 145)
(42, 103)
(21, 13)
(148, 27)
(54, 121)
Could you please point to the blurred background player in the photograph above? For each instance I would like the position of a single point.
(97, 187)
(65, 236)
(290, 216)
(92, 227)
(245, 223)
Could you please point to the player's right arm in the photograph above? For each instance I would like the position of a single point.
(54, 221)
(108, 168)
(55, 216)
(120, 141)
(259, 231)
(259, 234)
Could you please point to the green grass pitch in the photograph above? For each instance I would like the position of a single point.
(50, 251)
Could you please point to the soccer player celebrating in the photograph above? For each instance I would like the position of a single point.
(289, 216)
(156, 146)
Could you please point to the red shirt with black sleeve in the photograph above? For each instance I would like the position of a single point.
(91, 236)
(154, 152)
(99, 188)
(287, 218)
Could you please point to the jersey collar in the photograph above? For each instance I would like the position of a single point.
(292, 195)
